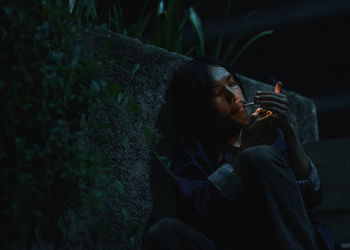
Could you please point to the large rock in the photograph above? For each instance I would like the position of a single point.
(332, 160)
(144, 71)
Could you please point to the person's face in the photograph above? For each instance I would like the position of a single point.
(226, 97)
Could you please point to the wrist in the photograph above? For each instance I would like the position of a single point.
(287, 129)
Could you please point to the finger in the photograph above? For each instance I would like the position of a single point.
(266, 117)
(278, 111)
(257, 112)
(252, 118)
(261, 93)
(269, 104)
(272, 97)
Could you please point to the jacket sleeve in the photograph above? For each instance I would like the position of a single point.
(311, 188)
(199, 192)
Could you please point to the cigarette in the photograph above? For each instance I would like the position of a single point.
(249, 104)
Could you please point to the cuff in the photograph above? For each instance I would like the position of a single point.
(312, 181)
(227, 182)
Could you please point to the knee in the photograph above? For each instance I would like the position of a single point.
(257, 154)
(261, 158)
(163, 229)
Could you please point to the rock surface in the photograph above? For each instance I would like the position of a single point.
(144, 72)
(332, 160)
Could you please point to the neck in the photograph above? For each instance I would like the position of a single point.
(229, 135)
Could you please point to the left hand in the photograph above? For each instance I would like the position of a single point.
(275, 102)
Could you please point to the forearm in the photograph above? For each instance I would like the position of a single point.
(297, 157)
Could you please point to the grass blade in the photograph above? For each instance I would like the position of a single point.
(238, 36)
(250, 41)
(161, 18)
(219, 45)
(231, 47)
(171, 30)
(197, 28)
(140, 26)
(142, 22)
(71, 5)
(188, 53)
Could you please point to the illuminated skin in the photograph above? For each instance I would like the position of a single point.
(228, 107)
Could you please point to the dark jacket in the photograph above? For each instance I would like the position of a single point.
(202, 205)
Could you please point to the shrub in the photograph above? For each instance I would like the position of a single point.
(46, 91)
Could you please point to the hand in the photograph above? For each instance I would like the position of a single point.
(275, 102)
(260, 128)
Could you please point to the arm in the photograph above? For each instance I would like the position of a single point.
(298, 160)
(201, 192)
(278, 103)
(303, 168)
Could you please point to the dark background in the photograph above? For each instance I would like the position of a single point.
(308, 51)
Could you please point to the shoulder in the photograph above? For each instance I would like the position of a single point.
(189, 153)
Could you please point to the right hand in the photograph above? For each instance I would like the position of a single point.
(259, 129)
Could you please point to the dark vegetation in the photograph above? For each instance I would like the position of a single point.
(48, 89)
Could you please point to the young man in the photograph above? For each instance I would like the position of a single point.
(243, 181)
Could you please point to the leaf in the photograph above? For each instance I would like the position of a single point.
(218, 46)
(119, 188)
(125, 101)
(164, 164)
(125, 213)
(237, 37)
(113, 89)
(232, 44)
(71, 5)
(95, 86)
(38, 214)
(190, 50)
(228, 7)
(141, 26)
(120, 97)
(118, 19)
(197, 28)
(161, 10)
(250, 41)
(135, 69)
(171, 32)
(134, 107)
(161, 19)
(147, 133)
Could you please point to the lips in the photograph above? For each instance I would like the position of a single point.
(237, 108)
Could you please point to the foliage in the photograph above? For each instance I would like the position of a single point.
(170, 21)
(47, 91)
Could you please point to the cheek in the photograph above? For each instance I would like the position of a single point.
(220, 106)
(240, 117)
(238, 91)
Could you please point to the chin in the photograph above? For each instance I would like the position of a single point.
(240, 118)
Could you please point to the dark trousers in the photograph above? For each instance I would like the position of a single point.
(271, 213)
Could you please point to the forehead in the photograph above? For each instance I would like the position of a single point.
(218, 72)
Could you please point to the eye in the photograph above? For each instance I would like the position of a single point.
(218, 91)
(232, 82)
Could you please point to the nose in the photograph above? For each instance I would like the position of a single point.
(231, 97)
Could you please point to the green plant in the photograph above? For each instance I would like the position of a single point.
(170, 22)
(232, 53)
(47, 90)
